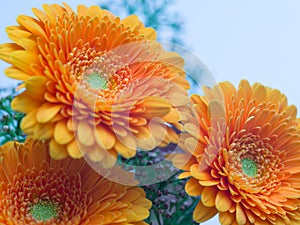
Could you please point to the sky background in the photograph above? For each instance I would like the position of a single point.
(250, 39)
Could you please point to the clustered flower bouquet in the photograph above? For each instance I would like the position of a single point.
(105, 132)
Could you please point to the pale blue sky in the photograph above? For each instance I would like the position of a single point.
(253, 39)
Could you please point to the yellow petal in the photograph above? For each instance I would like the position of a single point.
(223, 201)
(154, 107)
(29, 45)
(24, 59)
(85, 133)
(129, 141)
(150, 33)
(47, 112)
(81, 10)
(190, 144)
(97, 154)
(216, 110)
(259, 93)
(6, 50)
(124, 150)
(131, 21)
(183, 161)
(291, 111)
(192, 129)
(94, 11)
(28, 122)
(32, 25)
(36, 86)
(43, 131)
(202, 213)
(141, 212)
(131, 195)
(172, 59)
(226, 218)
(25, 103)
(184, 175)
(15, 73)
(40, 15)
(193, 188)
(73, 150)
(110, 159)
(62, 134)
(172, 117)
(57, 151)
(241, 218)
(198, 174)
(104, 136)
(208, 196)
(15, 34)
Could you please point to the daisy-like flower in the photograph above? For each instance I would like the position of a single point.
(94, 83)
(243, 155)
(36, 189)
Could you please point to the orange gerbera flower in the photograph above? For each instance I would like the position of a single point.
(243, 155)
(36, 189)
(93, 82)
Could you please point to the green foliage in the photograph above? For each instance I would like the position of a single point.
(170, 204)
(9, 120)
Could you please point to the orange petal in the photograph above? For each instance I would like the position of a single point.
(32, 25)
(131, 21)
(28, 122)
(192, 129)
(183, 161)
(216, 110)
(141, 212)
(259, 93)
(172, 117)
(15, 73)
(202, 213)
(223, 201)
(104, 137)
(57, 151)
(124, 150)
(24, 59)
(43, 131)
(240, 215)
(73, 150)
(6, 51)
(24, 103)
(62, 134)
(193, 188)
(154, 107)
(94, 11)
(200, 175)
(208, 196)
(15, 34)
(36, 86)
(47, 112)
(226, 218)
(149, 33)
(184, 175)
(85, 133)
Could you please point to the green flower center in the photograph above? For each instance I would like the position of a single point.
(44, 210)
(249, 167)
(97, 81)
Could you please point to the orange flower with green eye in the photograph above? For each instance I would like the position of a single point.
(243, 155)
(36, 189)
(94, 84)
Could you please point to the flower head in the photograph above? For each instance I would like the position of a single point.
(36, 189)
(242, 155)
(94, 83)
